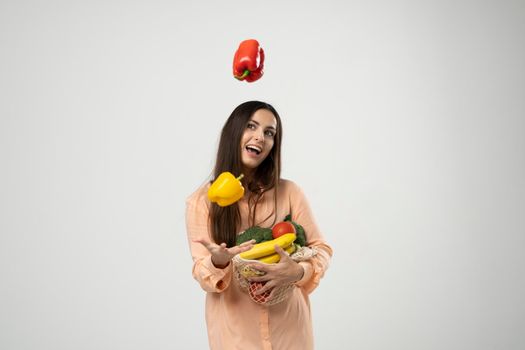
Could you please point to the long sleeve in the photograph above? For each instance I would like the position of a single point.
(210, 278)
(315, 268)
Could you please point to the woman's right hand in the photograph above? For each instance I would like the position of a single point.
(220, 254)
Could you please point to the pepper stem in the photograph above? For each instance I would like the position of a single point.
(240, 177)
(244, 75)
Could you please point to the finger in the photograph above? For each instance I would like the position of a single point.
(282, 253)
(245, 246)
(250, 243)
(272, 292)
(260, 267)
(202, 241)
(263, 278)
(268, 286)
(240, 249)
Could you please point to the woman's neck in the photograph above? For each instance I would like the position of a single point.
(250, 187)
(248, 175)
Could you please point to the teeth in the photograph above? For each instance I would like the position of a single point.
(253, 148)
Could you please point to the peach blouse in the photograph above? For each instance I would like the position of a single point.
(233, 320)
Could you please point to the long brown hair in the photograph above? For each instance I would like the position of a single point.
(225, 221)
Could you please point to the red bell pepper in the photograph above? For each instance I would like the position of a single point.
(248, 61)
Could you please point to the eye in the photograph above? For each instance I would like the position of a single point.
(251, 126)
(269, 133)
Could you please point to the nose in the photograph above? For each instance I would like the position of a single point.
(259, 136)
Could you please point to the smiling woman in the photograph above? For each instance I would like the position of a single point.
(250, 144)
(258, 139)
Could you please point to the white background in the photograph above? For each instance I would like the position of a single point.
(403, 122)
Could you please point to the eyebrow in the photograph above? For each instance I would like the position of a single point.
(256, 122)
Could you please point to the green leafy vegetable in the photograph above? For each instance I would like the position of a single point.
(299, 231)
(260, 234)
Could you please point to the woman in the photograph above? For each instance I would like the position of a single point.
(251, 144)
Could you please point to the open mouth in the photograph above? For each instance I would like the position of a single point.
(253, 149)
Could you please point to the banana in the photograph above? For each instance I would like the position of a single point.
(275, 258)
(266, 248)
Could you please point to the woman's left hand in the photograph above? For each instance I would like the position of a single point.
(221, 254)
(275, 275)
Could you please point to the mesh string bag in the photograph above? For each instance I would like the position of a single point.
(242, 272)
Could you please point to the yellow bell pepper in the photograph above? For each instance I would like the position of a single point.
(226, 189)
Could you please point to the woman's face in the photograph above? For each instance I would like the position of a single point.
(258, 138)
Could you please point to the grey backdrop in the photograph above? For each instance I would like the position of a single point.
(404, 123)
